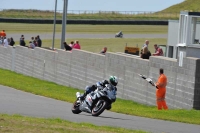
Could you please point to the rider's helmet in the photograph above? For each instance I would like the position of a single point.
(113, 80)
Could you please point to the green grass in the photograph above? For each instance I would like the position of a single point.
(49, 89)
(171, 12)
(91, 29)
(21, 124)
(102, 15)
(113, 45)
(189, 5)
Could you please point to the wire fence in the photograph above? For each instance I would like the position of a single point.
(89, 14)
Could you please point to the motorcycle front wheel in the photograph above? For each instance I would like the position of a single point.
(75, 107)
(99, 107)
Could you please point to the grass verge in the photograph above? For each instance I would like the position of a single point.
(49, 89)
(21, 124)
(23, 28)
(113, 44)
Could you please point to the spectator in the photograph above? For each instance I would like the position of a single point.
(35, 43)
(71, 44)
(32, 39)
(39, 41)
(67, 47)
(145, 53)
(31, 45)
(161, 91)
(103, 51)
(77, 45)
(22, 36)
(5, 42)
(8, 39)
(22, 42)
(12, 42)
(1, 40)
(3, 33)
(158, 51)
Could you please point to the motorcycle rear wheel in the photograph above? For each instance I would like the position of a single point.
(98, 109)
(75, 108)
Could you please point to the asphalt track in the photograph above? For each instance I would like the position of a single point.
(18, 102)
(83, 35)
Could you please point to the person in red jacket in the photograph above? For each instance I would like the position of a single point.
(161, 91)
(158, 51)
(3, 33)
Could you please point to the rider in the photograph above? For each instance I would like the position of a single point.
(113, 81)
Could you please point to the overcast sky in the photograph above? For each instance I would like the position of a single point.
(97, 5)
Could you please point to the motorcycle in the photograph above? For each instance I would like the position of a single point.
(120, 34)
(95, 102)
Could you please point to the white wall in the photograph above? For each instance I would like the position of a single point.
(80, 68)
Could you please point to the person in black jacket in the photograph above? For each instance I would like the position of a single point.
(39, 41)
(12, 42)
(22, 42)
(67, 47)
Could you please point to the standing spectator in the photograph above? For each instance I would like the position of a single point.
(161, 91)
(32, 39)
(158, 51)
(3, 33)
(71, 44)
(77, 45)
(5, 42)
(103, 51)
(145, 53)
(22, 36)
(67, 47)
(12, 42)
(22, 42)
(146, 44)
(39, 41)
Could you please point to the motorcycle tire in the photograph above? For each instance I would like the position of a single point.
(75, 108)
(96, 111)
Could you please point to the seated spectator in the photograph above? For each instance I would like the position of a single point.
(12, 42)
(145, 53)
(5, 42)
(103, 51)
(67, 47)
(31, 45)
(158, 51)
(1, 40)
(71, 44)
(35, 43)
(22, 42)
(77, 45)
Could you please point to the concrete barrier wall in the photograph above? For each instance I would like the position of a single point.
(81, 68)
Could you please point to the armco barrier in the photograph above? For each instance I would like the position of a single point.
(81, 68)
(101, 22)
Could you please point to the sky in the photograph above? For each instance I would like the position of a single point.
(95, 5)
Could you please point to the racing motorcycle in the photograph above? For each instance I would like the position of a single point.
(95, 102)
(119, 34)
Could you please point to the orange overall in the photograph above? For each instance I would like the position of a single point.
(161, 91)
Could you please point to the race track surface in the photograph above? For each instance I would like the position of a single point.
(83, 35)
(18, 102)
